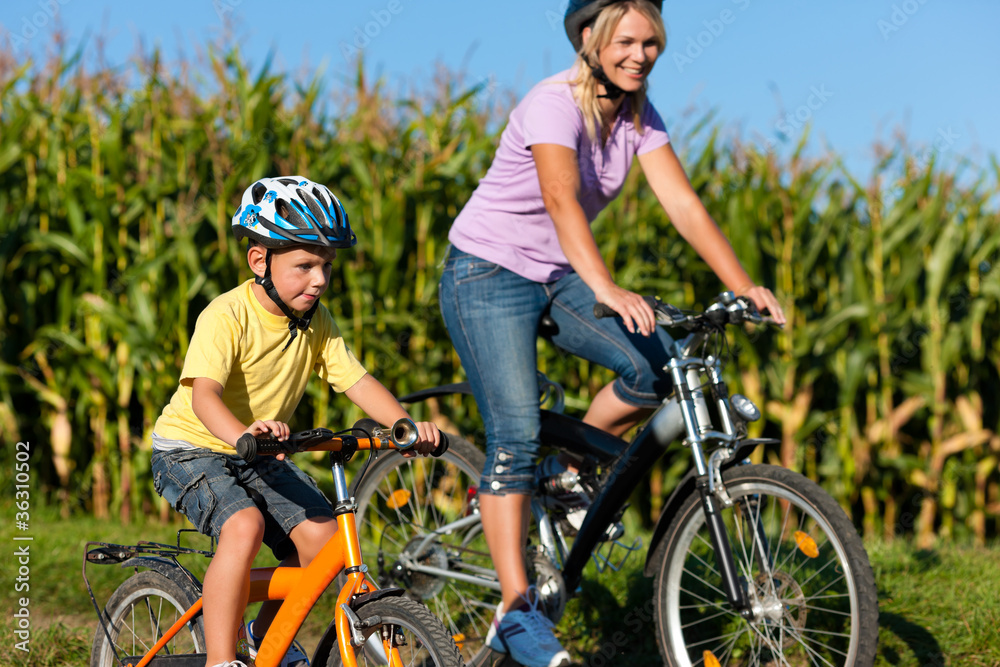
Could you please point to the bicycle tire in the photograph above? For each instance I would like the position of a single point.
(816, 602)
(400, 500)
(139, 611)
(426, 640)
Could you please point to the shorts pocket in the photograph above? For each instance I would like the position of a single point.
(197, 502)
(184, 484)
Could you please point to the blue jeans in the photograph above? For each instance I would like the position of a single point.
(492, 315)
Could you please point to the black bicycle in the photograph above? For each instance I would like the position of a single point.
(753, 564)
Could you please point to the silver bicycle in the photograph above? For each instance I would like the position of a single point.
(752, 564)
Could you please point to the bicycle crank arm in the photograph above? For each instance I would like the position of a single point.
(734, 590)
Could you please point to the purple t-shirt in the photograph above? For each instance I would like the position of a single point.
(505, 221)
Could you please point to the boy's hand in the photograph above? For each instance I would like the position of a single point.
(428, 438)
(279, 430)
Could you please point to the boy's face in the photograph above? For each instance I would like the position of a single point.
(300, 274)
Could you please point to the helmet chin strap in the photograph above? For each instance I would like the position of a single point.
(611, 91)
(295, 322)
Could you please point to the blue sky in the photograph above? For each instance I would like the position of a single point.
(856, 71)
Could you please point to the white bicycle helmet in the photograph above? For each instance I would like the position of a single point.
(289, 211)
(292, 210)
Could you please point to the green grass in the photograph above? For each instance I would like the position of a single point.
(937, 607)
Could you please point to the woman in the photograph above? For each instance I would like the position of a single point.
(523, 246)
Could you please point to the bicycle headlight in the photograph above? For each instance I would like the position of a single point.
(744, 407)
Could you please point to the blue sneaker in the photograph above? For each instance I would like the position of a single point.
(526, 634)
(295, 657)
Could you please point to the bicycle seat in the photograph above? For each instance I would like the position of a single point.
(547, 327)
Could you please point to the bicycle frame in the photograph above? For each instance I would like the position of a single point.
(300, 588)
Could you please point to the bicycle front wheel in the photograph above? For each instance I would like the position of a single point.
(404, 626)
(139, 614)
(801, 562)
(402, 501)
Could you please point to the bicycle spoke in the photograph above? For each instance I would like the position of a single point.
(813, 652)
(707, 565)
(768, 640)
(775, 557)
(705, 582)
(734, 633)
(820, 571)
(825, 633)
(728, 648)
(415, 503)
(716, 605)
(705, 619)
(745, 564)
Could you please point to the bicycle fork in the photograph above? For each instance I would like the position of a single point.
(686, 375)
(735, 592)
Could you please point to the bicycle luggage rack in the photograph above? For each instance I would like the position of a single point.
(109, 553)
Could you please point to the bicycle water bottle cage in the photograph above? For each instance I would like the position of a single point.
(602, 561)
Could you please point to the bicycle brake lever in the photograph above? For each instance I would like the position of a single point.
(670, 314)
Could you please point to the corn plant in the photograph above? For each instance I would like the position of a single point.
(116, 191)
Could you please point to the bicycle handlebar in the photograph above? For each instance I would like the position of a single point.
(401, 436)
(728, 309)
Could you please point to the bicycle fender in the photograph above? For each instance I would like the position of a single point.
(687, 486)
(680, 494)
(167, 568)
(434, 392)
(364, 598)
(328, 642)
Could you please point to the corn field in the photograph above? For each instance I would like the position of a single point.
(116, 192)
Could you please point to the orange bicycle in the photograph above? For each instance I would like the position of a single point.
(154, 618)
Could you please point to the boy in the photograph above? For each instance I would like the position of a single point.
(252, 353)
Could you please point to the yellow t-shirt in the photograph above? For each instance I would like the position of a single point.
(239, 344)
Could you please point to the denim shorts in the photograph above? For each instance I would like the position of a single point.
(208, 488)
(492, 316)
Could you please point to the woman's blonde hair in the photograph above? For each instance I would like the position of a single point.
(585, 84)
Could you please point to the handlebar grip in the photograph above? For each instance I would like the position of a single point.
(249, 447)
(442, 446)
(601, 311)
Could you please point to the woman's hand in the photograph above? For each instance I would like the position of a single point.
(428, 438)
(765, 300)
(632, 307)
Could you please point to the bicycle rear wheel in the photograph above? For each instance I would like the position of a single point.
(140, 612)
(403, 500)
(801, 562)
(406, 626)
